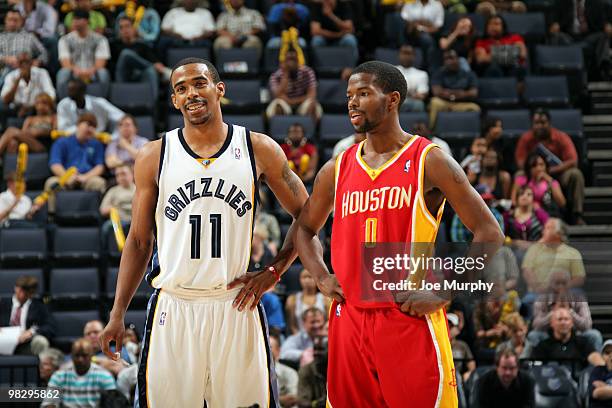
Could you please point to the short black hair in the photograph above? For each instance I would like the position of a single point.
(541, 111)
(82, 86)
(79, 13)
(487, 124)
(386, 76)
(214, 74)
(503, 21)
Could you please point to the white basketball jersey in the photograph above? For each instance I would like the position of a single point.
(204, 215)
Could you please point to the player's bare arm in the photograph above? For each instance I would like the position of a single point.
(273, 169)
(314, 214)
(138, 244)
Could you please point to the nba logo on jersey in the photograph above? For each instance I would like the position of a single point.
(407, 166)
(162, 318)
(237, 154)
(338, 310)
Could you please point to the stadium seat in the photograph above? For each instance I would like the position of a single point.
(19, 371)
(331, 94)
(174, 55)
(532, 26)
(332, 60)
(554, 386)
(76, 245)
(559, 59)
(546, 91)
(334, 128)
(144, 290)
(70, 327)
(458, 125)
(77, 207)
(146, 127)
(243, 96)
(567, 120)
(8, 277)
(133, 97)
(252, 122)
(498, 92)
(290, 281)
(391, 56)
(237, 61)
(78, 286)
(279, 125)
(450, 19)
(96, 89)
(514, 122)
(138, 318)
(175, 121)
(37, 169)
(408, 120)
(25, 246)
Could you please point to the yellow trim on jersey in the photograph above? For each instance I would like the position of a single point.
(447, 390)
(374, 173)
(420, 191)
(205, 161)
(149, 350)
(337, 174)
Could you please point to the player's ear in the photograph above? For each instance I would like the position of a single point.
(173, 98)
(220, 89)
(393, 101)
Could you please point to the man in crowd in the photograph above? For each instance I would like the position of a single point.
(600, 381)
(96, 19)
(331, 24)
(416, 79)
(287, 376)
(187, 26)
(239, 27)
(91, 332)
(294, 346)
(49, 361)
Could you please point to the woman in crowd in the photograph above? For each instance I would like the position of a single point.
(298, 302)
(525, 223)
(124, 149)
(461, 39)
(36, 130)
(499, 53)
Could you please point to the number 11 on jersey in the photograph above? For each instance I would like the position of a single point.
(215, 235)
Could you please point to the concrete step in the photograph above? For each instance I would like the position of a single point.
(600, 143)
(598, 204)
(600, 154)
(598, 217)
(590, 233)
(601, 108)
(601, 119)
(599, 86)
(603, 180)
(598, 191)
(597, 131)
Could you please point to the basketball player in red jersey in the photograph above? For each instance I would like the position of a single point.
(389, 188)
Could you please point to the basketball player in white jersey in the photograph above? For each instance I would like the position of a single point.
(196, 191)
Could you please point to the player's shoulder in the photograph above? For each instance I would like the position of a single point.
(263, 142)
(149, 155)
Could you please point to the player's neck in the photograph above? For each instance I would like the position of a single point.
(211, 132)
(384, 139)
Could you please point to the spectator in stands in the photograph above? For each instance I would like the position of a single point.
(268, 223)
(524, 223)
(559, 295)
(302, 155)
(331, 23)
(49, 362)
(82, 151)
(565, 346)
(464, 359)
(462, 38)
(239, 27)
(420, 128)
(453, 89)
(12, 206)
(492, 130)
(488, 320)
(284, 15)
(472, 163)
(494, 180)
(500, 53)
(77, 102)
(287, 377)
(135, 60)
(187, 26)
(123, 150)
(502, 269)
(83, 54)
(460, 233)
(416, 79)
(274, 312)
(600, 380)
(587, 26)
(423, 18)
(36, 130)
(517, 333)
(560, 153)
(146, 21)
(28, 312)
(260, 253)
(506, 385)
(40, 18)
(91, 332)
(494, 7)
(312, 377)
(293, 348)
(14, 40)
(347, 142)
(307, 298)
(547, 193)
(548, 255)
(81, 382)
(96, 20)
(120, 197)
(24, 84)
(294, 89)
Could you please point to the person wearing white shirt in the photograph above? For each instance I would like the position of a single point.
(347, 142)
(77, 102)
(13, 207)
(24, 84)
(287, 377)
(416, 80)
(423, 18)
(187, 26)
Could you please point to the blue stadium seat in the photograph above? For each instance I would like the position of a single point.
(19, 371)
(8, 277)
(332, 60)
(138, 318)
(174, 55)
(546, 91)
(450, 19)
(77, 207)
(25, 246)
(76, 245)
(133, 97)
(529, 25)
(567, 120)
(243, 94)
(144, 290)
(554, 386)
(331, 94)
(498, 92)
(334, 128)
(237, 61)
(559, 59)
(514, 122)
(146, 127)
(252, 122)
(458, 125)
(70, 327)
(290, 281)
(96, 89)
(391, 56)
(37, 168)
(74, 284)
(175, 121)
(408, 120)
(280, 124)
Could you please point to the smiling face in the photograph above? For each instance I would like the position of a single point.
(195, 94)
(366, 102)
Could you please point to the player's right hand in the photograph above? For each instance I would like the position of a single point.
(114, 330)
(330, 287)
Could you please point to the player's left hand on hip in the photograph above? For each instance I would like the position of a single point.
(420, 302)
(255, 284)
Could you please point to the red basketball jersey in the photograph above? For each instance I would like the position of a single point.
(383, 205)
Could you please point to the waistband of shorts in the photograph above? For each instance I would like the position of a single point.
(201, 296)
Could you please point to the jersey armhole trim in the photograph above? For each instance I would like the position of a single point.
(430, 217)
(253, 167)
(161, 158)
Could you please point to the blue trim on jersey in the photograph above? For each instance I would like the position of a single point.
(140, 399)
(228, 140)
(273, 385)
